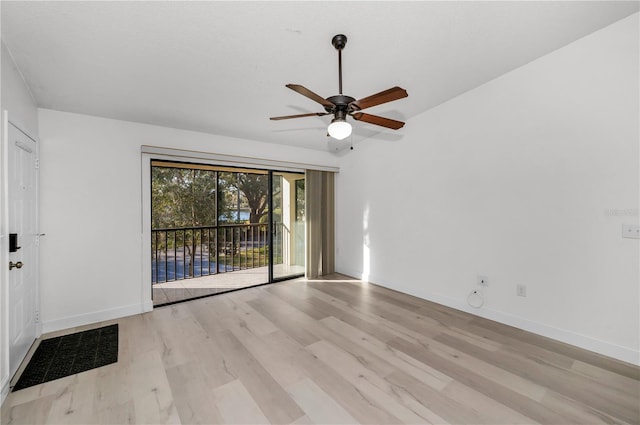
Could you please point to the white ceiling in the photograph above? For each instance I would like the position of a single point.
(221, 67)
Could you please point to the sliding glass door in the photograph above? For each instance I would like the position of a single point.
(288, 213)
(216, 229)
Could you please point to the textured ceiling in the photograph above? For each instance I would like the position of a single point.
(221, 67)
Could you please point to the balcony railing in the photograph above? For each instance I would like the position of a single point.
(188, 252)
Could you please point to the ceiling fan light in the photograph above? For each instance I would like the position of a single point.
(339, 129)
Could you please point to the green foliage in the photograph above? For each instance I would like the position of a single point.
(255, 189)
(229, 198)
(186, 198)
(300, 200)
(249, 258)
(183, 197)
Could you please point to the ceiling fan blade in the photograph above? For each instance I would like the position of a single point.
(389, 95)
(374, 119)
(311, 95)
(312, 114)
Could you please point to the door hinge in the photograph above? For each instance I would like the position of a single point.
(37, 316)
(36, 163)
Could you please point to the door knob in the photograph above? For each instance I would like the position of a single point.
(17, 265)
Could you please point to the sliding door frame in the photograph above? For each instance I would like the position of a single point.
(270, 225)
(272, 277)
(151, 153)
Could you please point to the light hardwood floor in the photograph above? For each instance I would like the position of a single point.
(332, 351)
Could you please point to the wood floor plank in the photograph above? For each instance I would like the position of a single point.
(108, 391)
(236, 405)
(194, 401)
(524, 348)
(303, 305)
(363, 409)
(428, 316)
(75, 406)
(150, 391)
(506, 379)
(286, 318)
(331, 350)
(609, 401)
(363, 355)
(398, 359)
(38, 392)
(33, 412)
(491, 410)
(273, 353)
(452, 411)
(575, 412)
(410, 318)
(180, 334)
(320, 408)
(567, 350)
(363, 317)
(272, 399)
(607, 377)
(124, 413)
(211, 313)
(488, 387)
(247, 317)
(363, 320)
(446, 316)
(372, 385)
(304, 420)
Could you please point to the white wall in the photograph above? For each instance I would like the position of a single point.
(527, 180)
(91, 209)
(16, 99)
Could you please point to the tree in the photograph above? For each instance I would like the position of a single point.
(183, 197)
(255, 188)
(228, 197)
(188, 197)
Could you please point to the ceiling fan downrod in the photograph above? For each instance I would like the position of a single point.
(339, 41)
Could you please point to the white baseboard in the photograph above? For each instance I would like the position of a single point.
(147, 306)
(94, 317)
(582, 341)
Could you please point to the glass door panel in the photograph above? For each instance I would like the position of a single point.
(209, 230)
(287, 224)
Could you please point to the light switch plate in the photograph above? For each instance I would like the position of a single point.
(521, 290)
(631, 231)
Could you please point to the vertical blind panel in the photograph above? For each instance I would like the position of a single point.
(320, 223)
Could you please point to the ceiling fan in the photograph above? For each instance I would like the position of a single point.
(341, 105)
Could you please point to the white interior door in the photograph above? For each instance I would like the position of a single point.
(22, 217)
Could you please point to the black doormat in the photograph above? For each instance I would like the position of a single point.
(70, 354)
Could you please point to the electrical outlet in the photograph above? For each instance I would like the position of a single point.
(631, 231)
(483, 280)
(521, 290)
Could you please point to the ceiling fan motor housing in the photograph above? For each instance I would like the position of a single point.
(340, 102)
